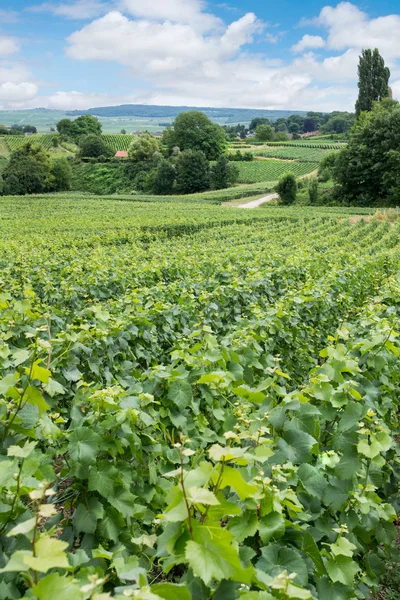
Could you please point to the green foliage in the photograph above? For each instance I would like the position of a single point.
(313, 191)
(162, 178)
(264, 133)
(271, 170)
(367, 169)
(29, 171)
(93, 146)
(61, 173)
(193, 130)
(192, 172)
(224, 174)
(287, 188)
(373, 80)
(183, 418)
(82, 126)
(143, 147)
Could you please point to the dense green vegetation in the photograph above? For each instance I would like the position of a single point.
(192, 409)
(271, 170)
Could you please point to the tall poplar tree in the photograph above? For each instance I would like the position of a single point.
(373, 83)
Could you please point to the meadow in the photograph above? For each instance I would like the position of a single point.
(196, 401)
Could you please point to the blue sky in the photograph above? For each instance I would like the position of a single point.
(260, 53)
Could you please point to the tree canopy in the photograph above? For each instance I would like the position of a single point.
(192, 172)
(373, 80)
(93, 146)
(367, 169)
(193, 130)
(84, 125)
(143, 147)
(264, 133)
(31, 171)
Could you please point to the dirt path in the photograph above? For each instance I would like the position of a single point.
(257, 203)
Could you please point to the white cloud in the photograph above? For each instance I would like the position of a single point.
(309, 41)
(177, 11)
(8, 45)
(349, 27)
(79, 9)
(142, 45)
(15, 94)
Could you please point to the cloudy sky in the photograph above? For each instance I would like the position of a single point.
(70, 54)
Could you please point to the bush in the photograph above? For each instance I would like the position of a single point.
(192, 172)
(287, 188)
(62, 175)
(223, 174)
(143, 147)
(313, 192)
(161, 180)
(324, 175)
(93, 146)
(28, 172)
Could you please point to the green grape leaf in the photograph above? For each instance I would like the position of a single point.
(84, 445)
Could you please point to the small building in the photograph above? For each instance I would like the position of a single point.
(121, 154)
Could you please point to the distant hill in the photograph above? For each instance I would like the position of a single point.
(145, 111)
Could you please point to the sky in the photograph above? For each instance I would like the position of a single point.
(268, 54)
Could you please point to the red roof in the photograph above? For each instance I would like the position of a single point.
(121, 154)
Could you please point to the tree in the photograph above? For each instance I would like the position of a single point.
(287, 188)
(193, 130)
(192, 172)
(310, 124)
(313, 191)
(367, 170)
(93, 146)
(61, 174)
(264, 133)
(161, 180)
(143, 147)
(29, 129)
(29, 171)
(84, 125)
(224, 173)
(123, 131)
(3, 130)
(281, 136)
(373, 80)
(258, 121)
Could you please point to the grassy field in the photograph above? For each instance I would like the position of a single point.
(196, 381)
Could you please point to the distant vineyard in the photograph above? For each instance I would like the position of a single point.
(298, 153)
(271, 170)
(117, 141)
(14, 142)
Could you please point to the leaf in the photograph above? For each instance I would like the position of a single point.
(243, 526)
(272, 526)
(211, 555)
(102, 478)
(171, 591)
(17, 562)
(22, 528)
(197, 495)
(38, 372)
(311, 549)
(84, 445)
(123, 501)
(56, 586)
(296, 445)
(232, 478)
(312, 480)
(343, 547)
(343, 570)
(212, 561)
(180, 393)
(34, 397)
(22, 452)
(276, 559)
(87, 515)
(50, 554)
(256, 596)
